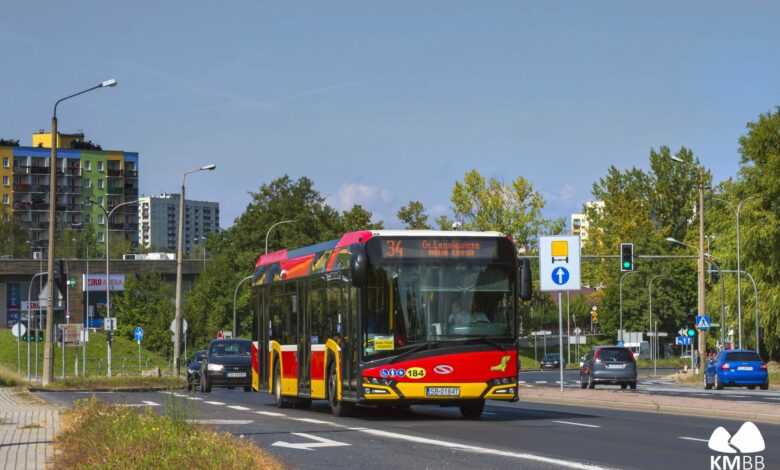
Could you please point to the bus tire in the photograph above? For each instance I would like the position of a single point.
(337, 407)
(472, 409)
(280, 400)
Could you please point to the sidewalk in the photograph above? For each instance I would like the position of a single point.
(27, 429)
(618, 399)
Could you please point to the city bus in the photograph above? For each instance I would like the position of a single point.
(390, 318)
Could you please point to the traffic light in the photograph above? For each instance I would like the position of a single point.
(714, 274)
(691, 328)
(594, 315)
(626, 256)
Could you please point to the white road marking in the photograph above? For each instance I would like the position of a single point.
(320, 442)
(219, 421)
(194, 398)
(693, 439)
(481, 450)
(239, 408)
(214, 402)
(770, 398)
(310, 420)
(150, 403)
(541, 381)
(578, 424)
(736, 396)
(270, 413)
(146, 403)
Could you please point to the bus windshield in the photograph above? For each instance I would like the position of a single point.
(413, 304)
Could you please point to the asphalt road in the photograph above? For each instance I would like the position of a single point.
(509, 435)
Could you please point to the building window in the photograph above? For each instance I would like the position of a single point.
(100, 184)
(100, 237)
(87, 183)
(5, 162)
(6, 181)
(100, 200)
(87, 219)
(88, 165)
(100, 219)
(5, 199)
(100, 166)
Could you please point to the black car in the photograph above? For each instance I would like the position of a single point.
(551, 361)
(193, 369)
(609, 365)
(227, 363)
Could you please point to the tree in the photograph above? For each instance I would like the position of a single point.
(358, 218)
(514, 209)
(413, 216)
(13, 240)
(147, 302)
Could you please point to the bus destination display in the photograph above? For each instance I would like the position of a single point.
(438, 248)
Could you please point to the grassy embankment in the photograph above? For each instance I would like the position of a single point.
(698, 379)
(123, 350)
(101, 436)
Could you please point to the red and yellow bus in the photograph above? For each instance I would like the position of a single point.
(390, 318)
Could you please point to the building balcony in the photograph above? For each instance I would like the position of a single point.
(39, 170)
(131, 174)
(115, 191)
(111, 173)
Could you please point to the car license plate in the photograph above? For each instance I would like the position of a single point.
(236, 374)
(616, 366)
(744, 368)
(442, 391)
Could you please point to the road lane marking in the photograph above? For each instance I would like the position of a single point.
(145, 403)
(481, 450)
(150, 403)
(270, 413)
(238, 407)
(320, 442)
(521, 381)
(219, 421)
(736, 396)
(578, 424)
(693, 439)
(315, 421)
(214, 402)
(541, 381)
(194, 398)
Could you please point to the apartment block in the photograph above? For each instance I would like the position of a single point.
(158, 220)
(84, 171)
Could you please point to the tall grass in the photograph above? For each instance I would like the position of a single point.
(97, 435)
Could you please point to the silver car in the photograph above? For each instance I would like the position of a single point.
(609, 365)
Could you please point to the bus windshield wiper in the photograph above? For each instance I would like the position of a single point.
(419, 347)
(485, 340)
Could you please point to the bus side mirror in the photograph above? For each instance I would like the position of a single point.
(526, 289)
(357, 266)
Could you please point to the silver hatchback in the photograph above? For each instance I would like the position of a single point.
(609, 365)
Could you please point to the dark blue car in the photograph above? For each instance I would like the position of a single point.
(737, 368)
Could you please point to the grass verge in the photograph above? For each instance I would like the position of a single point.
(8, 378)
(109, 383)
(101, 436)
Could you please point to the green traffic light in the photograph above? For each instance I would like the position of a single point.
(691, 332)
(626, 264)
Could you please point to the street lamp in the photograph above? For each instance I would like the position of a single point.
(271, 228)
(701, 286)
(621, 302)
(179, 255)
(653, 345)
(48, 352)
(737, 210)
(235, 294)
(108, 278)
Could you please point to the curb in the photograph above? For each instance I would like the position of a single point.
(656, 408)
(105, 389)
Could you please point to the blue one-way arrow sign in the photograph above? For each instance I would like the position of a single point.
(560, 276)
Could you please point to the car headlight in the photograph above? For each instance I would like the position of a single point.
(216, 367)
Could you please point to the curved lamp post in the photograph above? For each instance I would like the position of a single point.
(48, 352)
(235, 295)
(737, 210)
(179, 255)
(108, 214)
(271, 228)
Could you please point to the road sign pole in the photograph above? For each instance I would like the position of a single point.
(560, 335)
(139, 357)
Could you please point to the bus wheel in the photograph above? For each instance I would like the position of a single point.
(472, 409)
(338, 407)
(280, 400)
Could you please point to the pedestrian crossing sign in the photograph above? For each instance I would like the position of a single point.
(702, 322)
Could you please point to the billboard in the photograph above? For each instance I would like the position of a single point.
(97, 282)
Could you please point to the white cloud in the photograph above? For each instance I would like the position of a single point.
(350, 194)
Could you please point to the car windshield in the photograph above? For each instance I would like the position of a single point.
(230, 348)
(550, 357)
(198, 356)
(414, 304)
(614, 354)
(743, 356)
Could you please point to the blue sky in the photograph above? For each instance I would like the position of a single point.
(381, 103)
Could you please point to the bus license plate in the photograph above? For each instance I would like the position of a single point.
(236, 374)
(442, 391)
